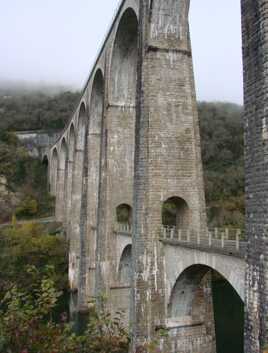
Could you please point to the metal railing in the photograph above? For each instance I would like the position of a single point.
(123, 228)
(229, 241)
(226, 240)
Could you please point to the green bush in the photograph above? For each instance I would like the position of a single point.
(27, 325)
(27, 208)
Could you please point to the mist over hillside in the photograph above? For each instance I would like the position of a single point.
(18, 88)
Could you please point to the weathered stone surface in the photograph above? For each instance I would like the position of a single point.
(134, 141)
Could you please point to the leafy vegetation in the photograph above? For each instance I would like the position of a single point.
(36, 111)
(222, 140)
(33, 310)
(26, 182)
(26, 247)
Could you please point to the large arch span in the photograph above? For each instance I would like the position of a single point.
(178, 259)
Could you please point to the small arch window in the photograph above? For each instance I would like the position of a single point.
(124, 214)
(176, 213)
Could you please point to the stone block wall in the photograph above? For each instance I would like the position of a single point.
(255, 50)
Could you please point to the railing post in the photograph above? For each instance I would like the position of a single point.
(238, 234)
(164, 232)
(210, 239)
(188, 235)
(227, 233)
(216, 233)
(222, 240)
(172, 232)
(198, 238)
(180, 236)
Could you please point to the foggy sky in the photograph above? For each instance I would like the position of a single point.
(57, 41)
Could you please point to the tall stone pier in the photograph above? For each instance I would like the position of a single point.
(167, 156)
(255, 52)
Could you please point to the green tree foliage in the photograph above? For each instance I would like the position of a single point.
(27, 324)
(36, 111)
(26, 179)
(27, 246)
(222, 143)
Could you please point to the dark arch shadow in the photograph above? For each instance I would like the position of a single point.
(200, 295)
(125, 266)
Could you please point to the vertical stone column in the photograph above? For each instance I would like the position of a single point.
(69, 183)
(255, 51)
(60, 198)
(74, 254)
(117, 150)
(83, 223)
(167, 152)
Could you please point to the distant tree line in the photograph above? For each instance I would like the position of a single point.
(36, 111)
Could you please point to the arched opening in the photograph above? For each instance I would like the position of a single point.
(202, 297)
(176, 213)
(79, 153)
(45, 166)
(76, 201)
(124, 215)
(54, 172)
(45, 161)
(61, 182)
(71, 144)
(95, 126)
(81, 136)
(63, 155)
(70, 173)
(125, 267)
(217, 58)
(124, 61)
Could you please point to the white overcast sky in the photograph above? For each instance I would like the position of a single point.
(56, 41)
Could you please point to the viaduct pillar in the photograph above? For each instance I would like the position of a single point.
(255, 51)
(167, 155)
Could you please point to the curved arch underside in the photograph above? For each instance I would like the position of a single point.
(124, 61)
(125, 266)
(178, 259)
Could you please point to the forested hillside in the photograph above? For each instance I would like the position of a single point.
(36, 111)
(221, 136)
(222, 139)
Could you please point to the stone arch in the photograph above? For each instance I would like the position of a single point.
(96, 103)
(45, 160)
(94, 142)
(54, 171)
(125, 266)
(71, 143)
(81, 128)
(202, 296)
(76, 201)
(123, 75)
(71, 157)
(46, 167)
(63, 154)
(233, 269)
(62, 180)
(176, 213)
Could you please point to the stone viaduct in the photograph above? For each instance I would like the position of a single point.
(128, 180)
